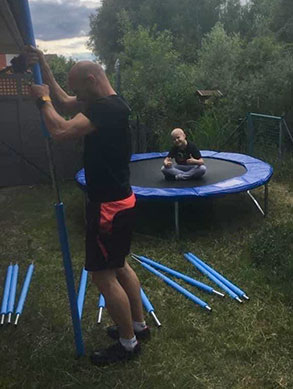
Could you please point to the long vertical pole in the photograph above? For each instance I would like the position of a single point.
(30, 40)
(266, 198)
(250, 134)
(280, 140)
(12, 293)
(6, 293)
(287, 129)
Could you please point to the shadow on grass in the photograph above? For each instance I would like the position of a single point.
(197, 217)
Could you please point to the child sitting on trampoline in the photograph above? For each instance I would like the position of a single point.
(189, 163)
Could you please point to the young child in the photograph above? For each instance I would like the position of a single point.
(189, 163)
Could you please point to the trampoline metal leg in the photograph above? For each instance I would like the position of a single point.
(176, 214)
(266, 199)
(257, 203)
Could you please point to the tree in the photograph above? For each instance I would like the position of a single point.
(60, 67)
(232, 16)
(105, 33)
(218, 59)
(169, 49)
(254, 76)
(187, 20)
(282, 22)
(256, 18)
(159, 88)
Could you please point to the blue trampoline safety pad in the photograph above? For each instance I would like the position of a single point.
(252, 174)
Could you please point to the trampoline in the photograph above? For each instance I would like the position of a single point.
(227, 173)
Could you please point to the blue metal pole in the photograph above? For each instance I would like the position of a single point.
(179, 275)
(213, 278)
(69, 279)
(12, 292)
(101, 306)
(148, 306)
(233, 287)
(24, 291)
(30, 40)
(175, 286)
(6, 293)
(82, 291)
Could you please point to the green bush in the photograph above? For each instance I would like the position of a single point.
(272, 247)
(271, 250)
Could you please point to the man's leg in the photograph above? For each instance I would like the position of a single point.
(130, 283)
(117, 301)
(119, 309)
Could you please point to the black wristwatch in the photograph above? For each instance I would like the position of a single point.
(42, 100)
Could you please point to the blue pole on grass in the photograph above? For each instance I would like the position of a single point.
(6, 291)
(148, 306)
(23, 294)
(101, 306)
(233, 287)
(69, 278)
(12, 293)
(30, 40)
(213, 278)
(82, 291)
(179, 275)
(175, 286)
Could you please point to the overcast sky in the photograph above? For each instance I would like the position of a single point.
(62, 26)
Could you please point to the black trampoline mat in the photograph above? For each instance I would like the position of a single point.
(147, 173)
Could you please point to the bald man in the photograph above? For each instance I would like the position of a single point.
(189, 163)
(101, 117)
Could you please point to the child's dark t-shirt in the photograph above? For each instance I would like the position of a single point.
(181, 155)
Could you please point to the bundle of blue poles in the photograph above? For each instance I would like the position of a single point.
(222, 282)
(157, 268)
(9, 293)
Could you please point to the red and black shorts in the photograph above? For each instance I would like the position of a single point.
(108, 233)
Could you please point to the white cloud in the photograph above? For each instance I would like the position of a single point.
(71, 47)
(91, 4)
(87, 3)
(62, 26)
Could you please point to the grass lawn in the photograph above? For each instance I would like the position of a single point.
(234, 346)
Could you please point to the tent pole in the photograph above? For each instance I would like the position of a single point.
(63, 238)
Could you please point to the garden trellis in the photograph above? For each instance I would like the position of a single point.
(258, 132)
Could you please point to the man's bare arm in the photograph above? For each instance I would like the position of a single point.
(61, 129)
(68, 104)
